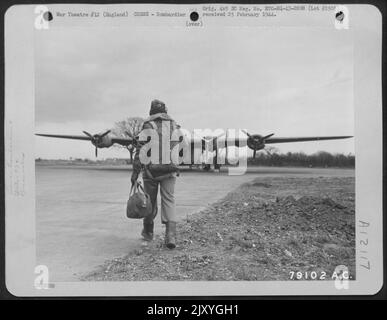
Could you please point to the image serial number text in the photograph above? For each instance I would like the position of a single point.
(319, 275)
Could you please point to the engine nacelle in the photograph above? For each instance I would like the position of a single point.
(255, 142)
(102, 142)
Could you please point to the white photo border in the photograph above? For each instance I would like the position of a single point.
(366, 21)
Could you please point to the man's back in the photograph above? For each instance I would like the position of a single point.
(164, 127)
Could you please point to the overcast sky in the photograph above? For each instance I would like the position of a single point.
(288, 81)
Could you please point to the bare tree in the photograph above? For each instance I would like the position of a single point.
(128, 128)
(270, 150)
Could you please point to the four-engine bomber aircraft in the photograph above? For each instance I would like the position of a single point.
(254, 141)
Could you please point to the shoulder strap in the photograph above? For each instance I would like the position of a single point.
(174, 125)
(153, 124)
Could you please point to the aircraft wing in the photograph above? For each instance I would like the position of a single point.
(119, 140)
(301, 139)
(127, 141)
(63, 136)
(122, 141)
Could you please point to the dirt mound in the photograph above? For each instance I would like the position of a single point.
(260, 184)
(312, 213)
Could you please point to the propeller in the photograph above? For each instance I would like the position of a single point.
(96, 139)
(256, 141)
(207, 140)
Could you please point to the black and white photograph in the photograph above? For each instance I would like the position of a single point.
(194, 144)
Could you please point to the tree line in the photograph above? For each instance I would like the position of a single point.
(300, 159)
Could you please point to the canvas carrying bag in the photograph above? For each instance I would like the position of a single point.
(139, 204)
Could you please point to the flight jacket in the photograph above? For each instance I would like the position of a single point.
(156, 120)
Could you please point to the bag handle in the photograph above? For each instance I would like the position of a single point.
(133, 188)
(140, 187)
(136, 186)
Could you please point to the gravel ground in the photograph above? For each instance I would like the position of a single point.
(263, 230)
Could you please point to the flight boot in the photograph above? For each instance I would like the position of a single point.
(147, 231)
(170, 235)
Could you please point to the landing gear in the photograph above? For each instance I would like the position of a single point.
(207, 167)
